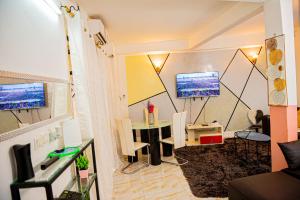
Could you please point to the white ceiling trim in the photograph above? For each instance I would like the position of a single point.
(229, 19)
(163, 46)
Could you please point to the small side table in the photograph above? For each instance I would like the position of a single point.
(251, 136)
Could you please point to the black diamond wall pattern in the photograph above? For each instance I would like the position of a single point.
(237, 104)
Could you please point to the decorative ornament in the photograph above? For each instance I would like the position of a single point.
(278, 97)
(274, 73)
(275, 56)
(272, 44)
(279, 84)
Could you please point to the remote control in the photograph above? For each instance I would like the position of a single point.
(49, 161)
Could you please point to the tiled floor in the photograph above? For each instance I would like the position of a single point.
(163, 182)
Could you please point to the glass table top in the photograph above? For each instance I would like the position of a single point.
(252, 135)
(143, 125)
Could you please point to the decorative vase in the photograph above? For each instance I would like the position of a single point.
(84, 173)
(23, 161)
(151, 118)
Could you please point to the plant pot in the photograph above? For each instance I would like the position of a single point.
(84, 173)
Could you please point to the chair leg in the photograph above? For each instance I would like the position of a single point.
(185, 161)
(123, 170)
(148, 155)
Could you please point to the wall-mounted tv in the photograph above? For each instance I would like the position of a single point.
(199, 84)
(22, 96)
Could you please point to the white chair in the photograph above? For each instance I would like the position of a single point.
(255, 118)
(251, 116)
(128, 145)
(178, 136)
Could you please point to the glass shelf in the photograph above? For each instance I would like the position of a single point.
(45, 178)
(51, 173)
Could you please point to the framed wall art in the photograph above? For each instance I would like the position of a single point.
(276, 71)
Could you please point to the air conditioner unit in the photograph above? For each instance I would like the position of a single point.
(96, 28)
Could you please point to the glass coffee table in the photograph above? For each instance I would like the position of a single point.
(251, 136)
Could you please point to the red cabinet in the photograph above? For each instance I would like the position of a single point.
(216, 139)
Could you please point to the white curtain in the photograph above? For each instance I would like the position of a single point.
(81, 107)
(95, 98)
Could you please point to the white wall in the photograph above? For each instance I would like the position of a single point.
(32, 41)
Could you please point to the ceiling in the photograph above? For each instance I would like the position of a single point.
(141, 21)
(136, 21)
(254, 24)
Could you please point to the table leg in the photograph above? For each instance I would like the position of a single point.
(246, 151)
(49, 192)
(95, 170)
(154, 146)
(132, 159)
(15, 193)
(144, 138)
(256, 152)
(235, 146)
(167, 148)
(269, 149)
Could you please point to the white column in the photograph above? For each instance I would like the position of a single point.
(278, 21)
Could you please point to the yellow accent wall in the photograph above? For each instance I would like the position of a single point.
(142, 80)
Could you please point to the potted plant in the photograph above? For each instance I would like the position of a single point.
(82, 163)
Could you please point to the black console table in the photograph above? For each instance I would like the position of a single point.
(45, 178)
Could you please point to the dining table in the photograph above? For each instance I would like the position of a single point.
(150, 134)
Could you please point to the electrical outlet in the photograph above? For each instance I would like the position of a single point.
(55, 133)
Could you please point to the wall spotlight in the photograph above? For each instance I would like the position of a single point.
(253, 57)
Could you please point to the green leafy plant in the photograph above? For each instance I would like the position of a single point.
(82, 162)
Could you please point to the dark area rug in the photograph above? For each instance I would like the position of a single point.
(211, 167)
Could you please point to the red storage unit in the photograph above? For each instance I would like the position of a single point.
(215, 139)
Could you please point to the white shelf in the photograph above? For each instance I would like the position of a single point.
(198, 130)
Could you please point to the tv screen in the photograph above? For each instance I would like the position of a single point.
(200, 84)
(22, 96)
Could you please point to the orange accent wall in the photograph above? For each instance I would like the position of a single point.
(142, 80)
(283, 129)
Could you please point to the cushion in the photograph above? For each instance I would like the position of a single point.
(268, 186)
(292, 172)
(291, 152)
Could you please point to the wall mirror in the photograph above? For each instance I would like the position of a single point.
(26, 100)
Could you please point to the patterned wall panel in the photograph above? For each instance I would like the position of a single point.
(251, 97)
(162, 101)
(188, 63)
(261, 63)
(219, 108)
(243, 87)
(237, 73)
(239, 120)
